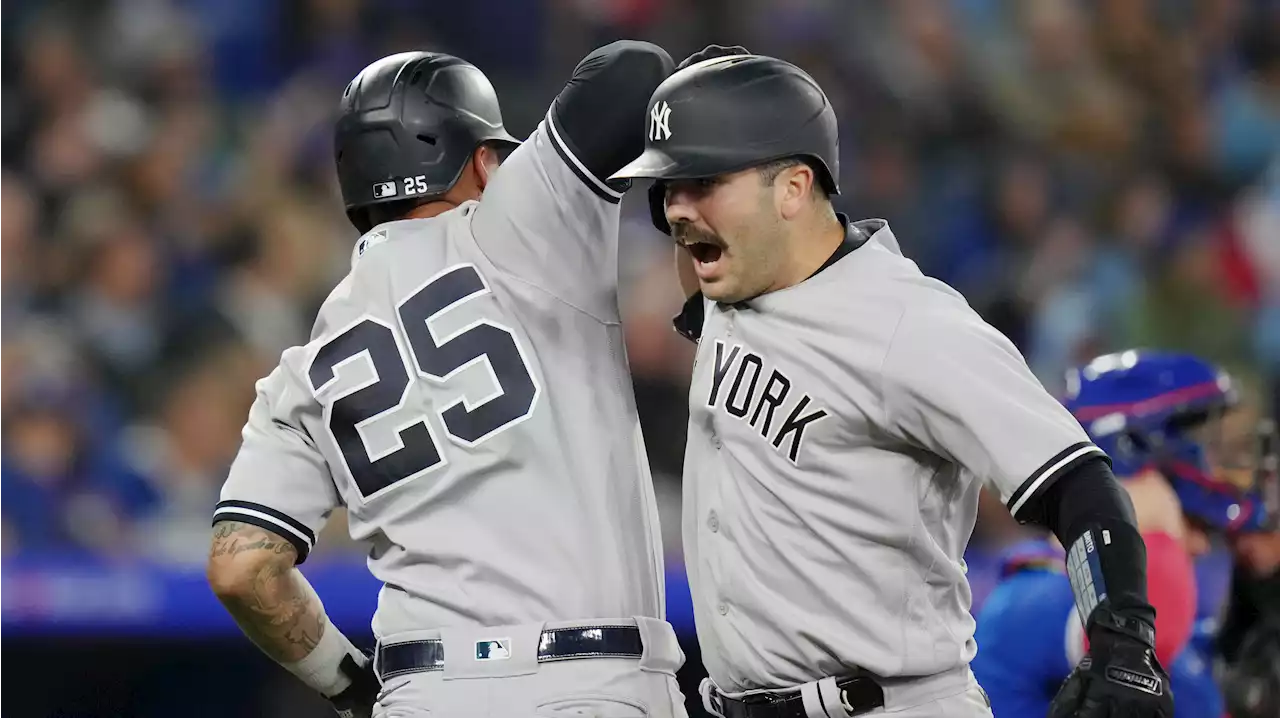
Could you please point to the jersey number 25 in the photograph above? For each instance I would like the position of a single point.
(436, 359)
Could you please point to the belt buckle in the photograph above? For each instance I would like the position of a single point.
(712, 701)
(863, 688)
(717, 702)
(844, 702)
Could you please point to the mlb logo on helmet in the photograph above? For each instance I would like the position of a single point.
(384, 189)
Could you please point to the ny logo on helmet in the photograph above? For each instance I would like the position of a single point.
(659, 119)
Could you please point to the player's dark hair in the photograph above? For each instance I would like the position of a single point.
(366, 218)
(769, 172)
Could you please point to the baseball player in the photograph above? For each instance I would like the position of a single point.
(465, 395)
(1148, 411)
(1220, 517)
(844, 410)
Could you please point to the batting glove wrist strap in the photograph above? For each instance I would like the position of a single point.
(1120, 676)
(1105, 619)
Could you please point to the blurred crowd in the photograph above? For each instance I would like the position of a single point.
(1092, 175)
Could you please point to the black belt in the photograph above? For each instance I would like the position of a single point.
(557, 644)
(858, 695)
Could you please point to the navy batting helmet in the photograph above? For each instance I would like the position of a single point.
(409, 122)
(734, 112)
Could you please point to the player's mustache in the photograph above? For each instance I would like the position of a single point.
(686, 234)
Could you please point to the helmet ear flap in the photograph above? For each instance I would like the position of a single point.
(658, 206)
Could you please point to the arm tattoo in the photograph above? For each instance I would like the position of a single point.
(276, 608)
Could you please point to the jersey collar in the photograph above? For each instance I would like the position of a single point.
(856, 234)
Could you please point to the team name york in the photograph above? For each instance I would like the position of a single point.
(750, 399)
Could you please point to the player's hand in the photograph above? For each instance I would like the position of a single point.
(1120, 677)
(358, 699)
(711, 51)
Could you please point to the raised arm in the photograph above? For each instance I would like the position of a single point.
(598, 118)
(550, 216)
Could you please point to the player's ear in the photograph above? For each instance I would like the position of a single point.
(794, 188)
(485, 160)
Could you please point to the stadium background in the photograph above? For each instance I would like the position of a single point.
(1093, 175)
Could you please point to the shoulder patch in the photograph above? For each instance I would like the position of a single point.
(367, 242)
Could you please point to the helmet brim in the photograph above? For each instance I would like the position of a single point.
(651, 164)
(657, 164)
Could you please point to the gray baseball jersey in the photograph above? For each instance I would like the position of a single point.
(839, 433)
(465, 394)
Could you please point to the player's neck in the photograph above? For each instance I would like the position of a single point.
(463, 191)
(430, 209)
(812, 246)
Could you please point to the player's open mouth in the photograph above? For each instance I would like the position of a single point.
(704, 252)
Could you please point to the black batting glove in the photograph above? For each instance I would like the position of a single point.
(711, 51)
(1120, 678)
(358, 699)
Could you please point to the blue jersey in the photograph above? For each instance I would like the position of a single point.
(1022, 629)
(1195, 692)
(1213, 588)
(1028, 641)
(1191, 676)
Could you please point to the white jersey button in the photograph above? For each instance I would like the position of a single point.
(713, 522)
(723, 609)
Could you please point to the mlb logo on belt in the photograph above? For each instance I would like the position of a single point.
(384, 189)
(494, 649)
